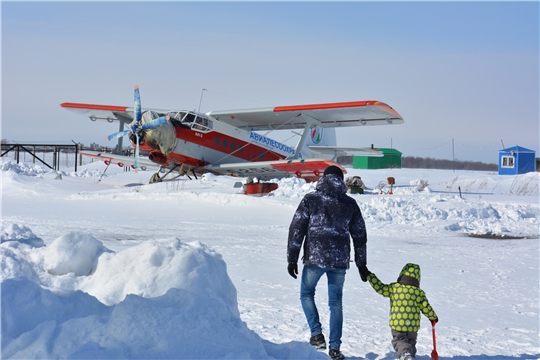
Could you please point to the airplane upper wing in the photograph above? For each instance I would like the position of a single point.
(105, 112)
(356, 113)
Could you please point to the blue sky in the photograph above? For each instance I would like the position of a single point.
(467, 71)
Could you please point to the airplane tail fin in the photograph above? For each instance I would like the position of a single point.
(316, 137)
(322, 137)
(322, 143)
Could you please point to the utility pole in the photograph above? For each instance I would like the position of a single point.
(453, 166)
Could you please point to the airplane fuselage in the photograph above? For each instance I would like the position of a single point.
(201, 141)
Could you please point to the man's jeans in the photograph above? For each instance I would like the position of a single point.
(336, 278)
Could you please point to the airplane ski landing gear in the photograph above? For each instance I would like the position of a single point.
(181, 172)
(156, 178)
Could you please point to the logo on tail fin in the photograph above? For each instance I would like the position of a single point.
(316, 135)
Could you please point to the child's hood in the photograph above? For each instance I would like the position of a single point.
(410, 274)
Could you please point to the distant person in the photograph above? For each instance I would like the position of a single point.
(407, 300)
(355, 185)
(324, 223)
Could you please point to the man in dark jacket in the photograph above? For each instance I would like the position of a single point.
(324, 222)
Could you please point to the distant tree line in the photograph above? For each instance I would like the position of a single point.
(413, 162)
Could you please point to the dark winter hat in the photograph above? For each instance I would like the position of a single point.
(332, 169)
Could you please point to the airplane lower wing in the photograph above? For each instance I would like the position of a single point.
(310, 170)
(119, 160)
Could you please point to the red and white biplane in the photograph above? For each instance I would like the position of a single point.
(229, 142)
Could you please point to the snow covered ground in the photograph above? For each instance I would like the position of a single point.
(117, 268)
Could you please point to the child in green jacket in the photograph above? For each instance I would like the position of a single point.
(407, 300)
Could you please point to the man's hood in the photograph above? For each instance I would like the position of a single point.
(331, 185)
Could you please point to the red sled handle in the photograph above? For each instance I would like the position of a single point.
(434, 354)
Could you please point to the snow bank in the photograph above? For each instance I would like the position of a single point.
(19, 233)
(161, 299)
(453, 214)
(25, 168)
(522, 185)
(30, 169)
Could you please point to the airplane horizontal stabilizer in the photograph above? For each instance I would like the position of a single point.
(345, 151)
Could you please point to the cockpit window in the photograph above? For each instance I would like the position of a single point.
(194, 120)
(202, 124)
(189, 118)
(177, 115)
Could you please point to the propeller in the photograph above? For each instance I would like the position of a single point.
(117, 135)
(155, 123)
(137, 127)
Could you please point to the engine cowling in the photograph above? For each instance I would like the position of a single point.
(158, 159)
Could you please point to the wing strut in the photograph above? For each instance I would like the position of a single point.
(311, 122)
(101, 177)
(120, 139)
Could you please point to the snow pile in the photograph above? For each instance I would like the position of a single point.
(29, 169)
(292, 188)
(495, 219)
(86, 173)
(19, 233)
(208, 177)
(72, 253)
(521, 185)
(25, 168)
(399, 210)
(454, 214)
(153, 267)
(161, 299)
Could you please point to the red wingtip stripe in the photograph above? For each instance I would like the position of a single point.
(94, 107)
(325, 106)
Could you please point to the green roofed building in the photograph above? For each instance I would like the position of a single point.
(391, 159)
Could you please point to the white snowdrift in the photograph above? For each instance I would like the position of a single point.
(160, 299)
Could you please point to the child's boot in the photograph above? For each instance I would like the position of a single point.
(406, 356)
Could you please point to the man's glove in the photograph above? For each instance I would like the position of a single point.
(364, 272)
(292, 268)
(433, 322)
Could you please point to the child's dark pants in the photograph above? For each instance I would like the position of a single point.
(404, 342)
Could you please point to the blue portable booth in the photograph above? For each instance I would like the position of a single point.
(516, 160)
